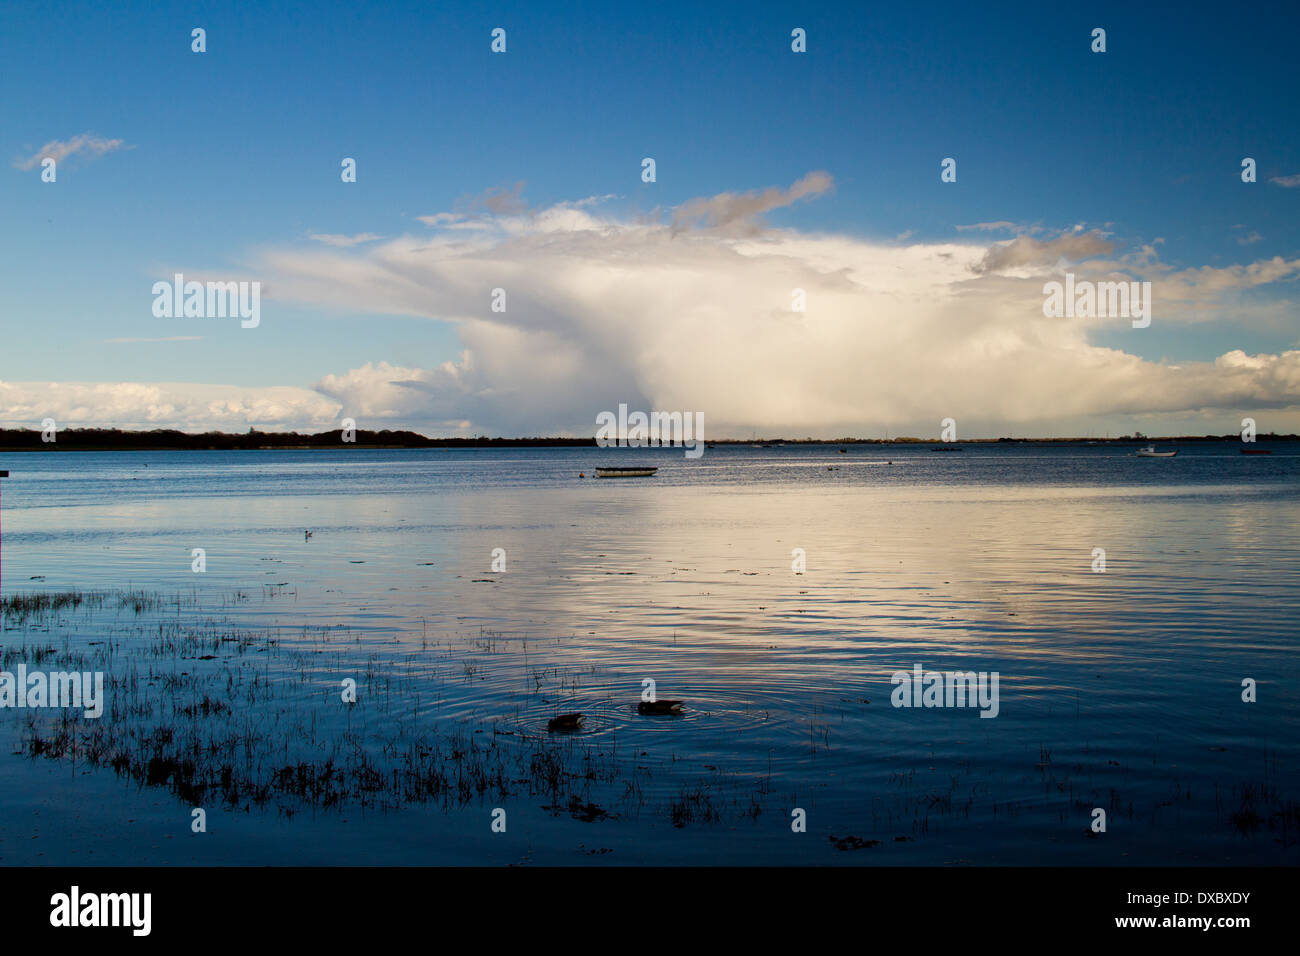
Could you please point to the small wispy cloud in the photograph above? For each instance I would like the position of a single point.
(58, 150)
(1000, 226)
(740, 212)
(478, 211)
(169, 338)
(1025, 251)
(454, 220)
(342, 241)
(497, 201)
(1248, 237)
(441, 219)
(503, 201)
(1288, 182)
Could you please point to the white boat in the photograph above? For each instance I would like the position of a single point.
(625, 472)
(1150, 452)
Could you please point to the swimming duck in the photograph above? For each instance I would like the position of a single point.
(564, 722)
(659, 707)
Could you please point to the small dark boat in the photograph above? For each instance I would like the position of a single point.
(564, 722)
(1257, 451)
(947, 448)
(625, 472)
(659, 707)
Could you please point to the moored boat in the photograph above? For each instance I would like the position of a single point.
(625, 472)
(1150, 452)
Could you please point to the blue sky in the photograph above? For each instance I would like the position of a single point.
(234, 152)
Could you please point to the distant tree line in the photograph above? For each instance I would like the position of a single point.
(84, 439)
(74, 439)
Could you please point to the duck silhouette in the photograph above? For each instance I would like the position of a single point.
(659, 707)
(564, 722)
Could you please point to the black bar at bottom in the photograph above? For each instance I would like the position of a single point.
(660, 906)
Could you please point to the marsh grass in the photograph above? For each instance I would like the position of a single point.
(18, 608)
(252, 719)
(219, 714)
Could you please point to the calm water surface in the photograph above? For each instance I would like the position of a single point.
(1119, 690)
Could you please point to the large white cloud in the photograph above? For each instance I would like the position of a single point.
(601, 310)
(693, 312)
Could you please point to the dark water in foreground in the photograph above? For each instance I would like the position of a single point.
(1119, 690)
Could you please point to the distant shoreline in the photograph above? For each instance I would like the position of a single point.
(100, 439)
